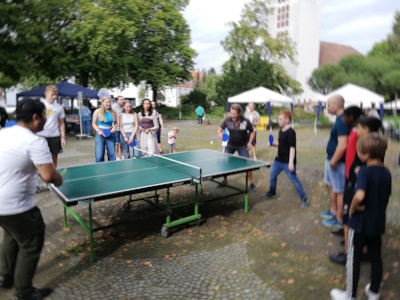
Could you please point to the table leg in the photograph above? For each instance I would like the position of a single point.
(65, 217)
(168, 208)
(246, 199)
(91, 233)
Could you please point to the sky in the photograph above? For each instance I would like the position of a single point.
(357, 23)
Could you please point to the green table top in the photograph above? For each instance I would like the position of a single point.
(111, 179)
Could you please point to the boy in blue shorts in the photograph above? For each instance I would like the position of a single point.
(367, 217)
(286, 158)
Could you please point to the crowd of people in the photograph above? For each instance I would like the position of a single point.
(358, 183)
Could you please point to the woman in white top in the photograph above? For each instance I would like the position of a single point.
(148, 126)
(254, 118)
(128, 126)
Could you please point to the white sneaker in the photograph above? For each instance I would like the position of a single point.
(370, 294)
(117, 158)
(337, 294)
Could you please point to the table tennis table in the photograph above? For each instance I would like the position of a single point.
(86, 184)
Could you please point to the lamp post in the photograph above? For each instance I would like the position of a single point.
(80, 136)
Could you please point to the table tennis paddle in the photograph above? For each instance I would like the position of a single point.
(133, 144)
(107, 132)
(63, 172)
(271, 139)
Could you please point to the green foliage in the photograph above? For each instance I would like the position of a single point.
(194, 99)
(252, 73)
(101, 43)
(5, 81)
(391, 81)
(380, 49)
(250, 35)
(209, 87)
(377, 71)
(394, 38)
(249, 43)
(324, 80)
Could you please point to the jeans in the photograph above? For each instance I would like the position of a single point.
(199, 120)
(86, 126)
(276, 169)
(100, 143)
(126, 147)
(22, 244)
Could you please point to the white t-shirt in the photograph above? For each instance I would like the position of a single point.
(20, 149)
(54, 112)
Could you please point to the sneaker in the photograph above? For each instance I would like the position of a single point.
(333, 223)
(253, 187)
(327, 214)
(36, 294)
(337, 294)
(370, 294)
(339, 232)
(117, 158)
(269, 194)
(304, 202)
(339, 258)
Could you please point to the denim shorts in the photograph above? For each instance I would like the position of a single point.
(336, 178)
(118, 137)
(242, 151)
(171, 147)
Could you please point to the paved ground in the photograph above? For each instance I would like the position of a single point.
(276, 251)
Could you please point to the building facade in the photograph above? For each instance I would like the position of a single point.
(300, 20)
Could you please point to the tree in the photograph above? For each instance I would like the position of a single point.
(250, 37)
(394, 38)
(324, 79)
(380, 49)
(102, 43)
(391, 81)
(251, 73)
(194, 99)
(209, 87)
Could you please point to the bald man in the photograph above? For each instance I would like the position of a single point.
(335, 167)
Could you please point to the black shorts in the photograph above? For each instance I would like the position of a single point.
(158, 133)
(348, 195)
(54, 144)
(254, 142)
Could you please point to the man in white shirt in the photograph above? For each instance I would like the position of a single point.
(54, 129)
(24, 156)
(117, 107)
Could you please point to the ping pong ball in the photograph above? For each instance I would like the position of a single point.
(211, 142)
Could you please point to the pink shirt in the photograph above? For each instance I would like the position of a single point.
(171, 137)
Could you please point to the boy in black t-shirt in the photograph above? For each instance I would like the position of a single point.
(286, 158)
(367, 217)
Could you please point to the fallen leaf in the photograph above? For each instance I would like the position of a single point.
(234, 272)
(395, 264)
(275, 254)
(290, 281)
(184, 251)
(128, 262)
(311, 288)
(147, 263)
(60, 265)
(216, 288)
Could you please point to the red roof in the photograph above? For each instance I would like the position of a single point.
(330, 53)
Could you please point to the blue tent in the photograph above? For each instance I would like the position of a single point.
(65, 89)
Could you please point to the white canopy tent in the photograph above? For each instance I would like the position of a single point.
(355, 95)
(261, 95)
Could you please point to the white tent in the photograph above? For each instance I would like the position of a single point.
(355, 95)
(392, 105)
(260, 95)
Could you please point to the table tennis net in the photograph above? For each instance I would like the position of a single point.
(194, 172)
